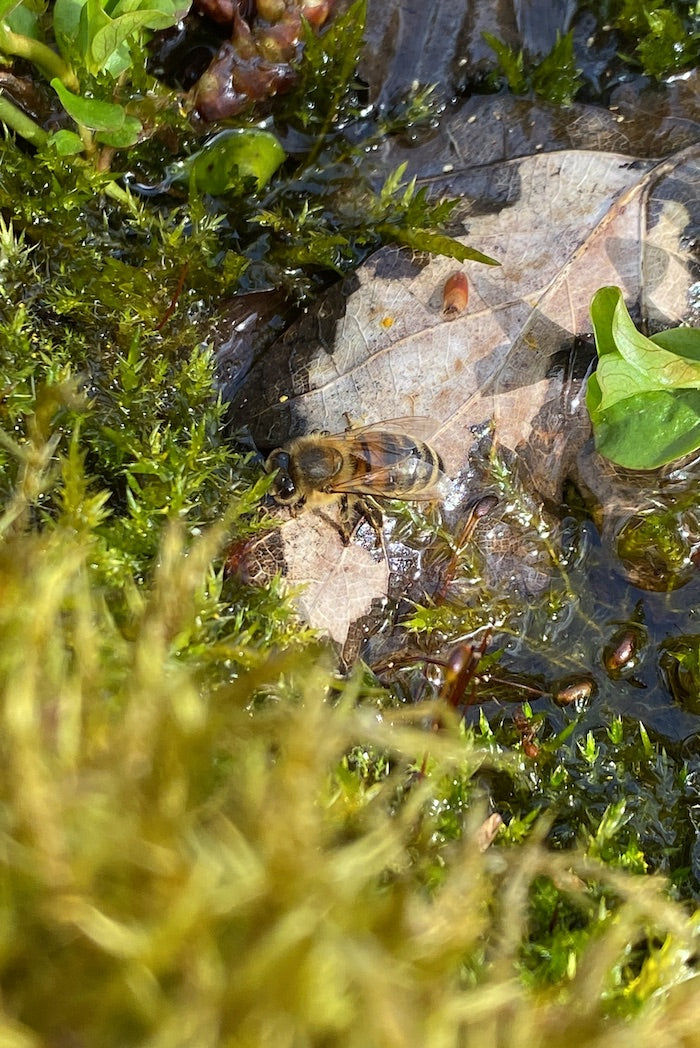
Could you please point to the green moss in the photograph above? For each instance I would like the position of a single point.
(195, 871)
(555, 77)
(208, 837)
(662, 36)
(659, 38)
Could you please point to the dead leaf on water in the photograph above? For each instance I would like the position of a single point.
(337, 583)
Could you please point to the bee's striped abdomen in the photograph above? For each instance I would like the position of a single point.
(397, 465)
(419, 470)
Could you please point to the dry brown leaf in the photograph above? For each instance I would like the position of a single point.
(339, 582)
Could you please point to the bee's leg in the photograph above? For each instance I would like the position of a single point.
(371, 511)
(298, 508)
(353, 511)
(342, 526)
(351, 517)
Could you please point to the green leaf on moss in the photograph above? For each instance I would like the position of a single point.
(112, 36)
(126, 135)
(661, 35)
(437, 243)
(97, 36)
(511, 64)
(556, 77)
(324, 93)
(644, 398)
(66, 23)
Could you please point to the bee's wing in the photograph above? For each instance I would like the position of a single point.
(421, 427)
(381, 483)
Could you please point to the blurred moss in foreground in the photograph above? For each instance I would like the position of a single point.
(188, 864)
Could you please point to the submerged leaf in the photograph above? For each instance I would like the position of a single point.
(229, 158)
(66, 143)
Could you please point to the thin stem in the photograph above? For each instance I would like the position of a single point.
(21, 124)
(88, 139)
(38, 54)
(18, 121)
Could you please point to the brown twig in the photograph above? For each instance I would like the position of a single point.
(174, 300)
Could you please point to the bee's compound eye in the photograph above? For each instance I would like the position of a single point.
(283, 488)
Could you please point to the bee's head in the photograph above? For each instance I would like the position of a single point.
(283, 489)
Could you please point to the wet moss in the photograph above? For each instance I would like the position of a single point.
(210, 837)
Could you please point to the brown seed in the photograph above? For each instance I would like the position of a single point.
(455, 296)
(622, 653)
(460, 668)
(579, 690)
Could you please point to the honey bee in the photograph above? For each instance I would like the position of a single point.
(385, 460)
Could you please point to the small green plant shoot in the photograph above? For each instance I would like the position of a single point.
(644, 397)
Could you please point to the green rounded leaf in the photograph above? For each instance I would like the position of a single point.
(650, 429)
(127, 135)
(7, 6)
(108, 42)
(618, 380)
(644, 398)
(683, 341)
(615, 331)
(24, 21)
(66, 26)
(602, 310)
(229, 158)
(90, 112)
(66, 143)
